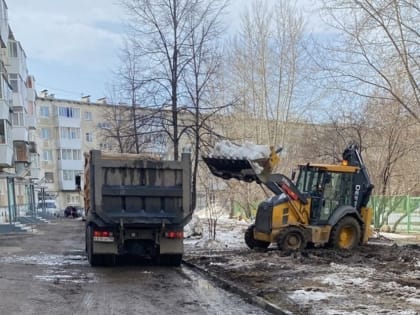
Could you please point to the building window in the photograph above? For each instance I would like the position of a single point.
(105, 146)
(77, 155)
(49, 177)
(69, 112)
(13, 80)
(17, 119)
(70, 174)
(89, 137)
(2, 132)
(47, 155)
(88, 115)
(104, 125)
(45, 133)
(70, 133)
(44, 111)
(13, 49)
(71, 154)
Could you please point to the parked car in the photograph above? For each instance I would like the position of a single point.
(71, 211)
(74, 212)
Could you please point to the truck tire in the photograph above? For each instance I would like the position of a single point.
(346, 233)
(291, 238)
(94, 260)
(251, 242)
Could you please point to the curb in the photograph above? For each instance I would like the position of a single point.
(231, 287)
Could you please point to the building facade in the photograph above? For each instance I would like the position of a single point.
(19, 158)
(66, 130)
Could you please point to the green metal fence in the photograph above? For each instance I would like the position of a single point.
(400, 213)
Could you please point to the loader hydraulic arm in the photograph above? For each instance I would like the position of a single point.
(352, 155)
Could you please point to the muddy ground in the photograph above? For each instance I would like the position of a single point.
(379, 278)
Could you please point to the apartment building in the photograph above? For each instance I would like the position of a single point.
(19, 160)
(66, 130)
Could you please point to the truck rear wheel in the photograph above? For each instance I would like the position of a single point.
(94, 259)
(251, 242)
(346, 233)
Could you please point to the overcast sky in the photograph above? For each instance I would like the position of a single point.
(72, 46)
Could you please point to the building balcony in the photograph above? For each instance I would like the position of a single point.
(5, 109)
(6, 155)
(31, 121)
(69, 144)
(68, 122)
(70, 165)
(67, 185)
(18, 100)
(20, 133)
(21, 150)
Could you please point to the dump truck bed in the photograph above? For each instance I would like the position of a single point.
(138, 189)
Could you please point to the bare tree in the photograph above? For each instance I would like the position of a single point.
(131, 82)
(267, 65)
(162, 32)
(199, 80)
(217, 203)
(376, 51)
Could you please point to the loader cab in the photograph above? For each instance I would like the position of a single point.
(328, 187)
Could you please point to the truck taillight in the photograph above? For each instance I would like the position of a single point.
(102, 233)
(103, 236)
(174, 234)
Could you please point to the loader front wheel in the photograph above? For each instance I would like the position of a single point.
(251, 242)
(346, 233)
(291, 239)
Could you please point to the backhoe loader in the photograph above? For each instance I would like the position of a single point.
(325, 205)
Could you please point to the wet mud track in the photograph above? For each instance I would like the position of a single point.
(47, 273)
(374, 279)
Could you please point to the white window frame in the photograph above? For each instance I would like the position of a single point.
(45, 133)
(47, 155)
(87, 116)
(44, 111)
(89, 137)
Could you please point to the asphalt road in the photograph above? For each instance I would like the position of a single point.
(47, 273)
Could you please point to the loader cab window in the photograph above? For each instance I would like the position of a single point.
(328, 191)
(309, 180)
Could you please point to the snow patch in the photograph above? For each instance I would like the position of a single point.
(414, 300)
(340, 279)
(309, 296)
(210, 244)
(248, 150)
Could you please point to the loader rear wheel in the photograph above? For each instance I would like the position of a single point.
(346, 233)
(291, 239)
(251, 242)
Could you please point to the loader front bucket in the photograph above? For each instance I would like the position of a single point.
(257, 170)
